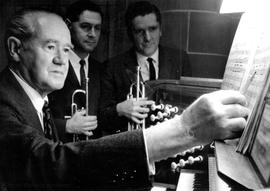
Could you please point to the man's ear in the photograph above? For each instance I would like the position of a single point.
(68, 22)
(14, 48)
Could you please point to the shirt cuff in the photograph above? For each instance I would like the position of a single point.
(151, 165)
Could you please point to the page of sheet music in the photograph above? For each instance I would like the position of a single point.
(255, 86)
(241, 54)
(260, 152)
(247, 68)
(258, 73)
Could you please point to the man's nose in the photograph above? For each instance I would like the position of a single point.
(92, 32)
(60, 58)
(147, 35)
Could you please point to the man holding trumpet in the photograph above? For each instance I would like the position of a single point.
(84, 20)
(143, 23)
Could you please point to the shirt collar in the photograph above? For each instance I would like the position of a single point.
(75, 59)
(34, 96)
(141, 58)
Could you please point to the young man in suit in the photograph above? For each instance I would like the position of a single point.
(84, 20)
(143, 22)
(38, 44)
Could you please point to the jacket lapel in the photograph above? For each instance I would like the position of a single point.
(26, 111)
(131, 65)
(71, 77)
(164, 64)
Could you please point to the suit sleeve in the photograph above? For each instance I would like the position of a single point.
(111, 95)
(30, 159)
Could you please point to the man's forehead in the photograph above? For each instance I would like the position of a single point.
(52, 28)
(90, 17)
(147, 20)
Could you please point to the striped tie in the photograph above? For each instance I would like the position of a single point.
(47, 121)
(82, 74)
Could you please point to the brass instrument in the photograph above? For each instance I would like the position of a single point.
(158, 113)
(74, 108)
(140, 93)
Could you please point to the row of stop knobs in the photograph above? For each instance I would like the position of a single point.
(168, 111)
(176, 167)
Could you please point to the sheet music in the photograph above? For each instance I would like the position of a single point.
(260, 152)
(241, 54)
(247, 68)
(256, 87)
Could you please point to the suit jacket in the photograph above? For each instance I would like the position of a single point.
(29, 161)
(121, 72)
(60, 100)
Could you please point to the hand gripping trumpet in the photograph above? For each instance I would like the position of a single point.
(140, 93)
(75, 107)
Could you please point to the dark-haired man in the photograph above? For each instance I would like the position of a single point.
(84, 19)
(143, 22)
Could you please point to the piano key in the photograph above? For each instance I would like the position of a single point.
(158, 188)
(185, 182)
(215, 182)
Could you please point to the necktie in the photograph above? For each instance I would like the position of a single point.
(47, 121)
(82, 74)
(152, 72)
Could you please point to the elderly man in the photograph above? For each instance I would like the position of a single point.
(32, 157)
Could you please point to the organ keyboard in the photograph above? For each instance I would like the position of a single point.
(190, 180)
(201, 177)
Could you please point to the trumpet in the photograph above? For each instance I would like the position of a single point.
(140, 93)
(75, 108)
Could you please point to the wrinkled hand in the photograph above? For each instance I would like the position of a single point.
(217, 115)
(79, 123)
(134, 110)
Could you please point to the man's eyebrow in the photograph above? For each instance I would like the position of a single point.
(56, 42)
(87, 23)
(71, 46)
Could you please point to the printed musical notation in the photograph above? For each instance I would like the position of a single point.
(247, 70)
(260, 151)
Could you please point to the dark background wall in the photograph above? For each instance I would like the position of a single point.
(192, 25)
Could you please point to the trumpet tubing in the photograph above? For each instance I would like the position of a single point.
(74, 108)
(140, 93)
(162, 111)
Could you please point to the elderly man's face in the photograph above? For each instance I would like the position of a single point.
(146, 34)
(44, 60)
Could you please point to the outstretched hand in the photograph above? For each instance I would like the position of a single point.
(217, 115)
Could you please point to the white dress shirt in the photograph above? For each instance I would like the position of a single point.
(75, 62)
(144, 64)
(34, 96)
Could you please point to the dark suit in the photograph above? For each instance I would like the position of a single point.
(60, 100)
(121, 73)
(29, 161)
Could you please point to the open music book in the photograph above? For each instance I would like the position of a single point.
(247, 71)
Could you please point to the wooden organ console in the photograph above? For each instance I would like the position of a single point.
(236, 165)
(216, 166)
